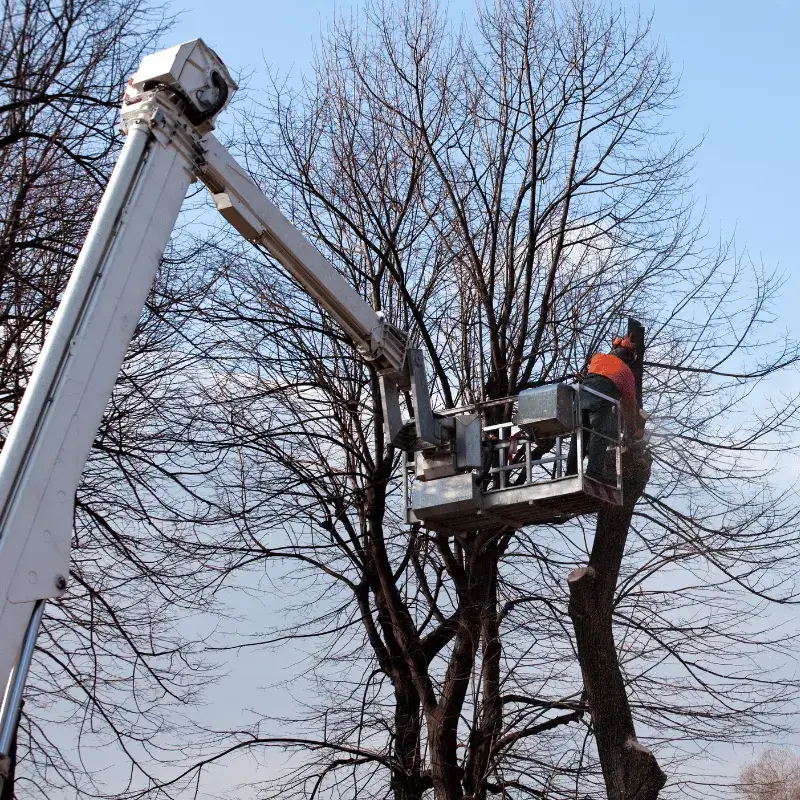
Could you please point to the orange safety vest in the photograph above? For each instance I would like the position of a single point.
(621, 375)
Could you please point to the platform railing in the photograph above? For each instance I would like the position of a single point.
(512, 460)
(512, 463)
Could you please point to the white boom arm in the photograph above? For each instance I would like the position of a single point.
(244, 205)
(169, 109)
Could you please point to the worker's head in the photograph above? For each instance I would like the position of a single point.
(623, 348)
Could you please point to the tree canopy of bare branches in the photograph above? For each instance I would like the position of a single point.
(508, 194)
(774, 775)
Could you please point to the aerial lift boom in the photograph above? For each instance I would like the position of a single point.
(168, 114)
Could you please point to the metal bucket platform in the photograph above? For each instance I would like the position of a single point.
(524, 483)
(553, 502)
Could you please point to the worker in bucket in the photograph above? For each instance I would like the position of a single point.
(610, 375)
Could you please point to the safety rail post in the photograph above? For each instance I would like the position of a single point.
(405, 487)
(502, 457)
(579, 433)
(528, 462)
(559, 472)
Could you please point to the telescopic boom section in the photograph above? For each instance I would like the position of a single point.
(244, 205)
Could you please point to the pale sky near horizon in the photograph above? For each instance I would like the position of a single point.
(740, 77)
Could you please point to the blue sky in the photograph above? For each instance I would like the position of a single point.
(740, 79)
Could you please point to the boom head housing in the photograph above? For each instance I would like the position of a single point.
(201, 83)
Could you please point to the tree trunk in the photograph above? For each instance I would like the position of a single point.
(475, 598)
(489, 720)
(445, 772)
(630, 770)
(407, 780)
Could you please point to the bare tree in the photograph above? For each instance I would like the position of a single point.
(110, 664)
(775, 775)
(508, 198)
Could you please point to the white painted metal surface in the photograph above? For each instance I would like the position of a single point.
(43, 458)
(186, 65)
(195, 71)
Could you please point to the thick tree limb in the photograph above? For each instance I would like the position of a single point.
(630, 770)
